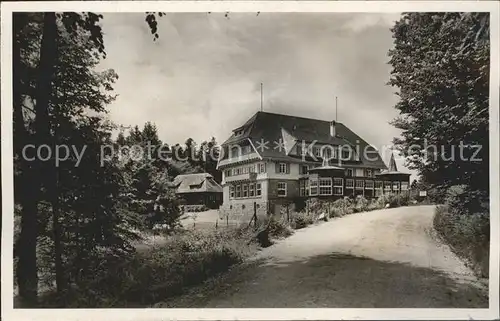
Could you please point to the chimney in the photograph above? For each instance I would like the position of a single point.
(333, 130)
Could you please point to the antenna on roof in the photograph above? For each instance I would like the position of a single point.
(335, 108)
(261, 98)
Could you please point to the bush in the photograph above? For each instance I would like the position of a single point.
(301, 220)
(361, 204)
(394, 200)
(467, 232)
(145, 278)
(342, 207)
(279, 228)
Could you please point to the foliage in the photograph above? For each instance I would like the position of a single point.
(279, 227)
(301, 220)
(148, 193)
(394, 200)
(467, 234)
(441, 66)
(360, 204)
(73, 209)
(145, 278)
(342, 206)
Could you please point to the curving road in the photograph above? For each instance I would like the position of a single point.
(381, 259)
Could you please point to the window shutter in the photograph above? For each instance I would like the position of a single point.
(288, 168)
(277, 167)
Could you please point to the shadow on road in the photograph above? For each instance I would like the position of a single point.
(335, 281)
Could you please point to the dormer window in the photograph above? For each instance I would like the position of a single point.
(238, 132)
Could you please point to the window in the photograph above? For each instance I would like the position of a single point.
(238, 132)
(245, 190)
(369, 184)
(404, 186)
(395, 186)
(234, 151)
(262, 167)
(359, 172)
(378, 192)
(327, 151)
(251, 190)
(258, 189)
(281, 189)
(303, 169)
(368, 172)
(346, 153)
(231, 191)
(378, 184)
(238, 191)
(338, 186)
(349, 172)
(360, 184)
(303, 185)
(247, 149)
(387, 185)
(349, 183)
(283, 168)
(313, 187)
(228, 173)
(317, 151)
(325, 186)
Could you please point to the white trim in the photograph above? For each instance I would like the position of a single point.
(330, 186)
(281, 189)
(255, 149)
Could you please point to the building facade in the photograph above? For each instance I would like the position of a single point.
(274, 159)
(198, 189)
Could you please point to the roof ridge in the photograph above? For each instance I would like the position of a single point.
(301, 117)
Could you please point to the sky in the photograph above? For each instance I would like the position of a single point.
(202, 77)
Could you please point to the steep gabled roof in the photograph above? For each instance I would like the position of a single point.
(392, 164)
(196, 183)
(269, 127)
(393, 169)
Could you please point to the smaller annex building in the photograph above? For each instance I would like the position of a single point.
(198, 189)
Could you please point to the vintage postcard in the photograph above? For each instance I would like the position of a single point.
(251, 160)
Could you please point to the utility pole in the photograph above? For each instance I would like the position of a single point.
(261, 98)
(335, 108)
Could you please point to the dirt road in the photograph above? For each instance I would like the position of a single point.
(381, 259)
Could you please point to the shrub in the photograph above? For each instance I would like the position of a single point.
(301, 220)
(186, 259)
(394, 200)
(467, 235)
(342, 207)
(373, 204)
(465, 230)
(279, 228)
(361, 204)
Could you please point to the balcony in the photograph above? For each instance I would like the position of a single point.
(241, 177)
(239, 159)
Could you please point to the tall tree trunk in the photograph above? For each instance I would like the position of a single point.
(27, 264)
(56, 229)
(25, 247)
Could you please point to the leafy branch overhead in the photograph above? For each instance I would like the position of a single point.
(153, 23)
(441, 67)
